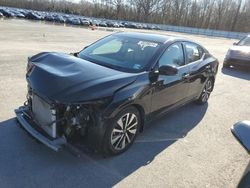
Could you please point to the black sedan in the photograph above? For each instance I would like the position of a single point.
(239, 54)
(107, 91)
(241, 131)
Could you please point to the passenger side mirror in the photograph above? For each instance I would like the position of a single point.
(235, 43)
(168, 70)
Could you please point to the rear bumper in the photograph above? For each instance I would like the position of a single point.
(55, 144)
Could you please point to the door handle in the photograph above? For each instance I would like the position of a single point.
(185, 76)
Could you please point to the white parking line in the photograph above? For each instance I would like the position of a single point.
(157, 140)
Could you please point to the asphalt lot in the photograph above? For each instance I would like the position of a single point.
(189, 147)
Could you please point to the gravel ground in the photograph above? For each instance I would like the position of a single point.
(189, 147)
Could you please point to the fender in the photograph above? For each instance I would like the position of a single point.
(139, 94)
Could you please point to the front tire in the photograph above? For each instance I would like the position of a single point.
(122, 131)
(207, 89)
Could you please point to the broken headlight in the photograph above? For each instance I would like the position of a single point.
(29, 67)
(77, 118)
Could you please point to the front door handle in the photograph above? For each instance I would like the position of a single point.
(185, 76)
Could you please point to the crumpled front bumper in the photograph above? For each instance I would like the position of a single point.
(29, 125)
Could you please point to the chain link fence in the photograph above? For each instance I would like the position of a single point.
(207, 32)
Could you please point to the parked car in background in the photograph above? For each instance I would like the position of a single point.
(49, 18)
(34, 16)
(110, 23)
(73, 21)
(7, 12)
(241, 131)
(103, 24)
(108, 90)
(94, 22)
(59, 19)
(121, 25)
(116, 25)
(19, 15)
(70, 19)
(132, 25)
(239, 54)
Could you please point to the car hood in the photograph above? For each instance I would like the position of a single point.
(68, 79)
(245, 49)
(240, 52)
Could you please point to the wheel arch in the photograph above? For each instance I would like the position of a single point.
(137, 106)
(213, 79)
(142, 114)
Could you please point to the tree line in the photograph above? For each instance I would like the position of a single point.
(229, 15)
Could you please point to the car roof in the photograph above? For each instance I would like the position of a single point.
(149, 36)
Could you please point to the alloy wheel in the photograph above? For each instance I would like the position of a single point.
(124, 132)
(206, 91)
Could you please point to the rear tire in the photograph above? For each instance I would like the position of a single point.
(122, 131)
(206, 91)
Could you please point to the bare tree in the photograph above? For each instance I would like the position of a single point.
(235, 18)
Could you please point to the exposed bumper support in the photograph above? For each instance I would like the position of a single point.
(55, 144)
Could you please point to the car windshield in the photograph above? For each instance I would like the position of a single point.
(121, 53)
(245, 42)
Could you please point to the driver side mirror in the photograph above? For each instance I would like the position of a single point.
(168, 70)
(75, 54)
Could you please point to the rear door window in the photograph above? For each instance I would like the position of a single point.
(194, 52)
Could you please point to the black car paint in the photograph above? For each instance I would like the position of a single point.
(62, 78)
(241, 131)
(67, 79)
(237, 62)
(238, 55)
(143, 92)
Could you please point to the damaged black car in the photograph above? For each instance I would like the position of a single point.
(105, 93)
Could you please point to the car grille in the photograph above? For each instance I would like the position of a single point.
(44, 115)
